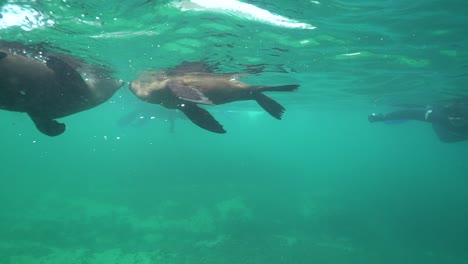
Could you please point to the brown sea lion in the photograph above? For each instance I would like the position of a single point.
(51, 87)
(176, 89)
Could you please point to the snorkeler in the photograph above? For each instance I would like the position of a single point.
(450, 123)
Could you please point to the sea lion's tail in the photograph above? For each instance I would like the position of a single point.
(271, 106)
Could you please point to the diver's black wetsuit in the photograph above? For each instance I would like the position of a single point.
(449, 123)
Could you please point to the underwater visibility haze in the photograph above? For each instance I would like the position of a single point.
(132, 182)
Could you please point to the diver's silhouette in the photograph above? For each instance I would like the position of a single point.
(450, 123)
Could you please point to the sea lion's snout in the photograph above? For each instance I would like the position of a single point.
(111, 83)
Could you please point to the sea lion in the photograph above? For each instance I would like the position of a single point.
(51, 87)
(184, 90)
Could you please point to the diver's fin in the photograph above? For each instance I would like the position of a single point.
(66, 74)
(188, 93)
(49, 127)
(201, 118)
(2, 54)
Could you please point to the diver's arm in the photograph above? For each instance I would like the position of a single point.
(411, 114)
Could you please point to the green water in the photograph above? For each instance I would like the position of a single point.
(323, 185)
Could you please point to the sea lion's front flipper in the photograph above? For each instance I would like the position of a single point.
(201, 118)
(65, 73)
(2, 55)
(49, 127)
(188, 93)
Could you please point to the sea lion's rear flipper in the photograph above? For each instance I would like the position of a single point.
(2, 55)
(49, 127)
(188, 93)
(271, 106)
(67, 75)
(201, 118)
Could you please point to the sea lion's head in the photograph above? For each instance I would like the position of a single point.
(141, 88)
(150, 83)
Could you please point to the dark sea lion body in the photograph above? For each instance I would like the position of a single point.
(51, 88)
(185, 90)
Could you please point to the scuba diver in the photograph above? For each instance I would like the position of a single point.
(450, 123)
